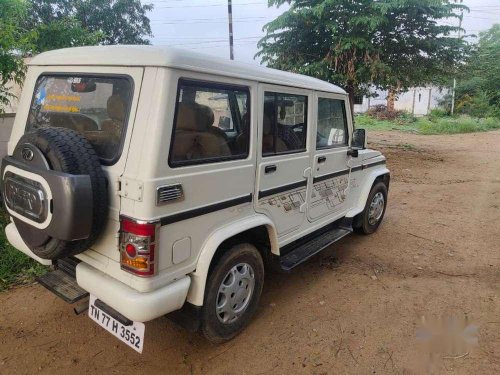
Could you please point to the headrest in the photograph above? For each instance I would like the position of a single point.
(186, 118)
(116, 108)
(194, 117)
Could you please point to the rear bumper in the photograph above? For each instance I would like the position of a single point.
(136, 306)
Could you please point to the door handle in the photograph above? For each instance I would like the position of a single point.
(270, 169)
(321, 159)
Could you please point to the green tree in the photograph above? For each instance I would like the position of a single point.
(110, 21)
(14, 43)
(62, 33)
(392, 44)
(478, 89)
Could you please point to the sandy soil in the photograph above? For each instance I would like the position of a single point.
(355, 308)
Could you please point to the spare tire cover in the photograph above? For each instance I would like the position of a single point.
(66, 151)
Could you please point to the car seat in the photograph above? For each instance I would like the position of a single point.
(194, 137)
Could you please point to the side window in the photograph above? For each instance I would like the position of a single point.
(211, 124)
(284, 124)
(332, 124)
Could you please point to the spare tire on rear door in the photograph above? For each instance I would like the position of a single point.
(56, 192)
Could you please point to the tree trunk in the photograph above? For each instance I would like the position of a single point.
(350, 91)
(391, 98)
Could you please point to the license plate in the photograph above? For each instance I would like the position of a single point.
(132, 335)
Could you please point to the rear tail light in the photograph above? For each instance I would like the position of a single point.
(138, 244)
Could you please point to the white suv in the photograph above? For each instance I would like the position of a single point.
(157, 180)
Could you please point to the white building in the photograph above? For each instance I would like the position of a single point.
(418, 100)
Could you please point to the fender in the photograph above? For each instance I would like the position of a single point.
(368, 180)
(199, 276)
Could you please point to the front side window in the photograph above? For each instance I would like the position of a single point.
(95, 106)
(211, 124)
(332, 124)
(284, 123)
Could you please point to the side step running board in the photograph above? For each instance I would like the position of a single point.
(306, 250)
(62, 283)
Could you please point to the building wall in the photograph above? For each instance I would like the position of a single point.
(419, 100)
(368, 102)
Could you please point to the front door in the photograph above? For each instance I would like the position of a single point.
(330, 161)
(283, 160)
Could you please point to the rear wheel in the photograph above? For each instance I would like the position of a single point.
(232, 293)
(368, 221)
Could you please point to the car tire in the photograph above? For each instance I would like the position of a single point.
(69, 152)
(228, 304)
(368, 221)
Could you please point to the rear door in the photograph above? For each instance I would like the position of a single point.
(101, 104)
(283, 161)
(204, 172)
(330, 168)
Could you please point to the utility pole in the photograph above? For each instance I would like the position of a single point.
(454, 79)
(230, 16)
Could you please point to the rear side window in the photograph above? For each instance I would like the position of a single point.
(95, 106)
(332, 124)
(284, 126)
(211, 123)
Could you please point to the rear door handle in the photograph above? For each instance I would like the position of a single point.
(270, 169)
(321, 159)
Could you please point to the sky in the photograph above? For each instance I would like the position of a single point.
(202, 25)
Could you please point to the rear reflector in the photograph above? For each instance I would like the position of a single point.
(137, 246)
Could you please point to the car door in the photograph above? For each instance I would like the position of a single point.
(80, 96)
(283, 160)
(330, 170)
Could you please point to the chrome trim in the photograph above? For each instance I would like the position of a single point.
(156, 242)
(140, 221)
(169, 193)
(26, 197)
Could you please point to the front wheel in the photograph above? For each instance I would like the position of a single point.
(232, 293)
(368, 221)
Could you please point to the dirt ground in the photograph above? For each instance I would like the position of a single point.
(363, 306)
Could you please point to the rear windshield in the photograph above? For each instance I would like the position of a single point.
(95, 106)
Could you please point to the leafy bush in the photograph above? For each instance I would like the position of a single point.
(438, 113)
(380, 112)
(478, 91)
(404, 123)
(477, 105)
(406, 118)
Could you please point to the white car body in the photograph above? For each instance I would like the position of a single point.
(221, 200)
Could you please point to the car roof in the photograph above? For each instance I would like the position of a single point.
(159, 56)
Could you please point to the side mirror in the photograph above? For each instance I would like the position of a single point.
(359, 139)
